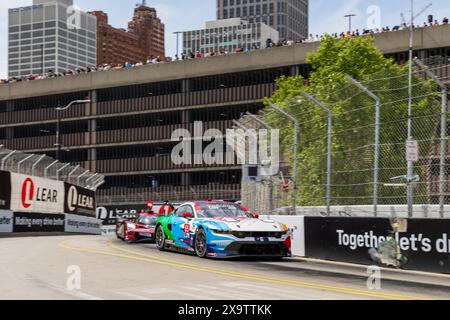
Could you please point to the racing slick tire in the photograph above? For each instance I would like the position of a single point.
(160, 238)
(200, 244)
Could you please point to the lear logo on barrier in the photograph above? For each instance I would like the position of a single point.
(41, 195)
(27, 192)
(75, 200)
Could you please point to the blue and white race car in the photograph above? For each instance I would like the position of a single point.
(220, 229)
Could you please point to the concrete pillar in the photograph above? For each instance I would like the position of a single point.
(9, 105)
(93, 96)
(9, 133)
(185, 178)
(92, 128)
(185, 86)
(185, 116)
(295, 71)
(92, 125)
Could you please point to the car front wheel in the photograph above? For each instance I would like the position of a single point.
(200, 244)
(160, 239)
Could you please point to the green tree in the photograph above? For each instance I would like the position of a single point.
(354, 118)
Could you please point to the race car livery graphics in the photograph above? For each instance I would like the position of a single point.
(220, 229)
(140, 229)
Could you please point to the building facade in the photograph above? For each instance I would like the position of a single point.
(50, 35)
(115, 46)
(125, 131)
(228, 34)
(147, 26)
(289, 17)
(145, 38)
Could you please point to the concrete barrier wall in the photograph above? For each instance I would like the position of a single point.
(419, 244)
(33, 204)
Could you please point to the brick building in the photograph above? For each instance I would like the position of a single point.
(115, 45)
(144, 38)
(150, 30)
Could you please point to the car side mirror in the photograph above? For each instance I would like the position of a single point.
(188, 215)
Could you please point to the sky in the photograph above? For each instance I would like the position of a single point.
(182, 15)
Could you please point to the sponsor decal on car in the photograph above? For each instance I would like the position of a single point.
(187, 230)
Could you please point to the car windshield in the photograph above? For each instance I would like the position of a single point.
(148, 221)
(216, 210)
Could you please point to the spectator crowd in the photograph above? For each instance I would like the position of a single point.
(197, 55)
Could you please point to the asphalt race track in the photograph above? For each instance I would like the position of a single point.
(37, 268)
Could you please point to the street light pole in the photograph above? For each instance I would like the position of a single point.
(58, 123)
(410, 173)
(58, 129)
(178, 41)
(350, 16)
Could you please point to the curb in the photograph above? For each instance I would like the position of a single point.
(411, 277)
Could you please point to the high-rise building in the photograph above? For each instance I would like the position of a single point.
(228, 34)
(144, 38)
(50, 35)
(289, 17)
(148, 27)
(116, 46)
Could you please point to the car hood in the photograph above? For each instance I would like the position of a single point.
(242, 224)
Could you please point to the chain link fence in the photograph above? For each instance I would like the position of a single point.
(366, 166)
(43, 166)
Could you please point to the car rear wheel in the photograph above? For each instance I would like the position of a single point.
(200, 244)
(160, 239)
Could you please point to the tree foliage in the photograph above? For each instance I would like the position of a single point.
(354, 118)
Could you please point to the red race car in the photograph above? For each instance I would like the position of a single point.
(141, 229)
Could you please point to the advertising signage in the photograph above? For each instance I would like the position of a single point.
(5, 190)
(23, 193)
(79, 201)
(424, 244)
(38, 222)
(35, 194)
